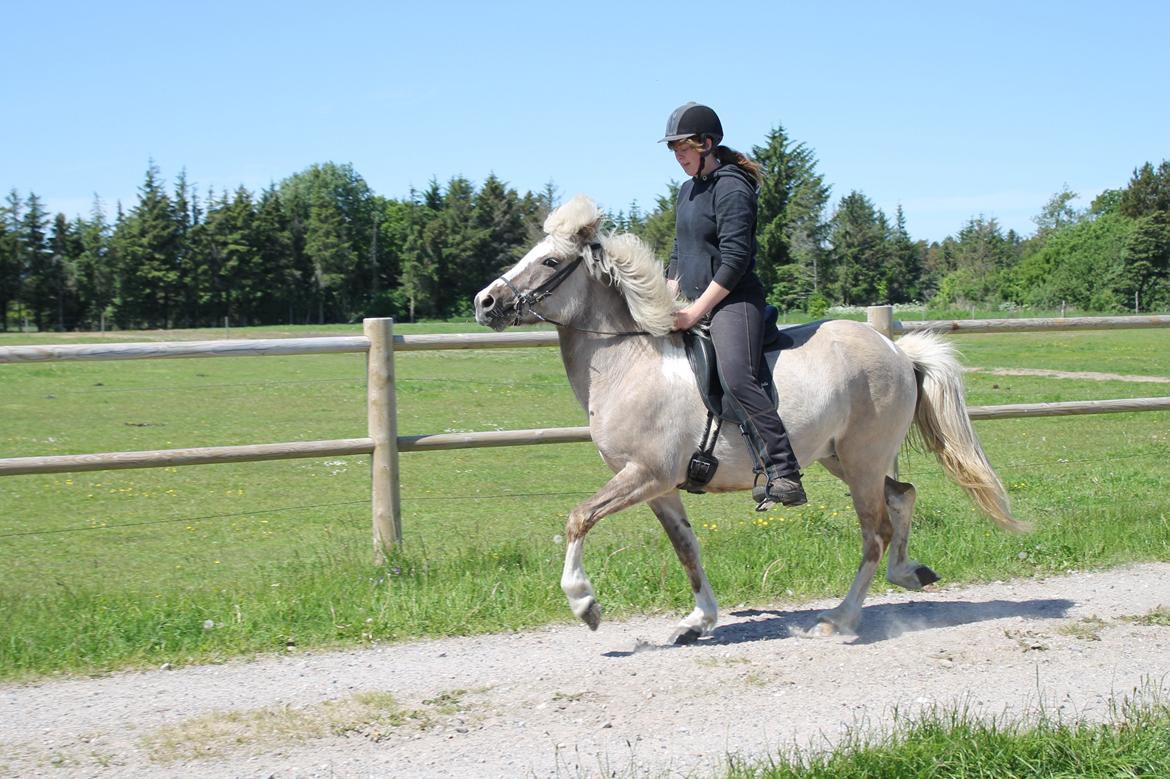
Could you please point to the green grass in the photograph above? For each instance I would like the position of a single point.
(958, 745)
(114, 569)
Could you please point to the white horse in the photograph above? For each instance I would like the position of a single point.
(848, 397)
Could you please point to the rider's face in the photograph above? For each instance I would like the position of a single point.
(687, 155)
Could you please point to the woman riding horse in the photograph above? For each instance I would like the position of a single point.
(712, 265)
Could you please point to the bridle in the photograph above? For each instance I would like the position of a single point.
(526, 301)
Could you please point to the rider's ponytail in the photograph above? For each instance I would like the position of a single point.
(728, 156)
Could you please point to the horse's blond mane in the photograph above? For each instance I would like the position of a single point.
(627, 262)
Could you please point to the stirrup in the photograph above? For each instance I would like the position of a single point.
(792, 495)
(760, 496)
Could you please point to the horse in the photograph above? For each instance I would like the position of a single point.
(848, 397)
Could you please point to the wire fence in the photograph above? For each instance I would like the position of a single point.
(929, 475)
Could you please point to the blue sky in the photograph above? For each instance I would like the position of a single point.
(952, 110)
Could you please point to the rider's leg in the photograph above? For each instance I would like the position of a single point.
(737, 333)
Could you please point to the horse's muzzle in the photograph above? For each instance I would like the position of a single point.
(491, 312)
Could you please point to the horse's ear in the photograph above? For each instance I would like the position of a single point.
(578, 220)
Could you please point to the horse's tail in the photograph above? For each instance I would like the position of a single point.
(945, 429)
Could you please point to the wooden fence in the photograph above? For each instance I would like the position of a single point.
(384, 444)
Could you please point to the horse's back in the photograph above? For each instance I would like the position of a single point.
(845, 343)
(839, 373)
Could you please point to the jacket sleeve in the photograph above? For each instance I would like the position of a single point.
(735, 226)
(672, 268)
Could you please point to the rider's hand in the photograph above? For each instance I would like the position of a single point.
(686, 318)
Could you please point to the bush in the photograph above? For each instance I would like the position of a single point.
(817, 305)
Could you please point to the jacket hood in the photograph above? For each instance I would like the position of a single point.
(731, 169)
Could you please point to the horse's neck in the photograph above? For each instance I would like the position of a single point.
(596, 364)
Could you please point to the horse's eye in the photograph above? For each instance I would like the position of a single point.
(550, 262)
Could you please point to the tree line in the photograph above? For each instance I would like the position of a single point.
(321, 247)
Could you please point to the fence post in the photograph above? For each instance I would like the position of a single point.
(382, 418)
(881, 318)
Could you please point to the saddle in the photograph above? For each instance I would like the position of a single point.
(720, 406)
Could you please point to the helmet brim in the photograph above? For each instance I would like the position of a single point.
(670, 138)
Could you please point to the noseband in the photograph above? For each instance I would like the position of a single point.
(526, 301)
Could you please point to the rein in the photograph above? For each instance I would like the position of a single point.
(528, 300)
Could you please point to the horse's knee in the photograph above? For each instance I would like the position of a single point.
(578, 525)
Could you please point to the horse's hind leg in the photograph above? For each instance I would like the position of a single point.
(900, 570)
(876, 533)
(629, 486)
(670, 512)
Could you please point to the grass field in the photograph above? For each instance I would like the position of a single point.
(953, 744)
(113, 569)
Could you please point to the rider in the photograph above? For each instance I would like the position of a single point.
(711, 264)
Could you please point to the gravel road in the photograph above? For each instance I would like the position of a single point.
(562, 701)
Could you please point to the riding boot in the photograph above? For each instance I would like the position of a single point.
(782, 483)
(785, 489)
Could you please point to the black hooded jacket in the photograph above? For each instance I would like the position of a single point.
(715, 234)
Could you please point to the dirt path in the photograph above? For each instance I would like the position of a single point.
(1088, 375)
(564, 701)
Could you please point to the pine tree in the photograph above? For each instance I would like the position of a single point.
(1146, 262)
(657, 227)
(241, 277)
(95, 271)
(1148, 191)
(860, 251)
(791, 228)
(498, 223)
(453, 238)
(64, 248)
(184, 253)
(10, 255)
(276, 260)
(549, 198)
(418, 275)
(148, 240)
(903, 277)
(39, 285)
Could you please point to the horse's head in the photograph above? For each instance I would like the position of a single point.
(548, 274)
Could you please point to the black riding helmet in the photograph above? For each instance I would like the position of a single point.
(691, 120)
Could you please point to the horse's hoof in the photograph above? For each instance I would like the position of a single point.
(823, 629)
(684, 636)
(925, 575)
(592, 615)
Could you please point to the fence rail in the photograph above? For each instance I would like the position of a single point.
(207, 455)
(270, 347)
(384, 444)
(1037, 325)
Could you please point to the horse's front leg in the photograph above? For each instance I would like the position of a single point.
(630, 486)
(700, 622)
